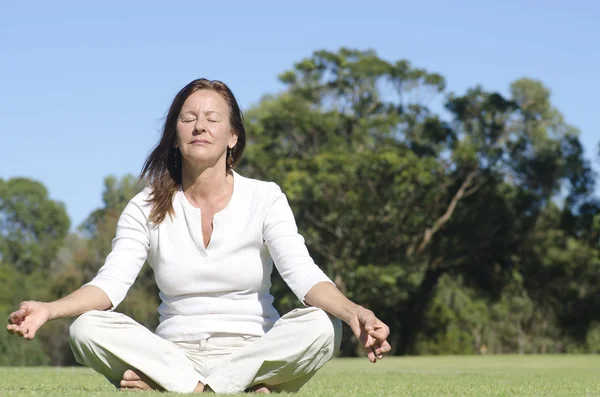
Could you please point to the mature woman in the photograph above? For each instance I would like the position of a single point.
(211, 236)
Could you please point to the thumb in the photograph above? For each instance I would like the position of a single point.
(24, 308)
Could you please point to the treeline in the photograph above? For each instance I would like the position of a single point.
(469, 229)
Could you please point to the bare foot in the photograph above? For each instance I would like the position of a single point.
(259, 389)
(137, 381)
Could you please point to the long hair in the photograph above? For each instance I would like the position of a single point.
(162, 168)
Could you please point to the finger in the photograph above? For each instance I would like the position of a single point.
(18, 329)
(13, 328)
(29, 334)
(371, 355)
(16, 317)
(381, 349)
(380, 332)
(369, 342)
(385, 347)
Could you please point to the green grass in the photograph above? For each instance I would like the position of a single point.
(410, 376)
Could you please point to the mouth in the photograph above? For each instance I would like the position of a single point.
(200, 142)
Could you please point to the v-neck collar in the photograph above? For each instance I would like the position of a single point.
(195, 227)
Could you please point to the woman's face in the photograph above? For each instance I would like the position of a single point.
(203, 129)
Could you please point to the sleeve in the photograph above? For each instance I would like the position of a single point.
(288, 249)
(129, 252)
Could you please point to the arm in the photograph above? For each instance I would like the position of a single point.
(368, 329)
(287, 247)
(128, 254)
(311, 285)
(32, 315)
(106, 290)
(78, 302)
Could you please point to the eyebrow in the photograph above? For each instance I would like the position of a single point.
(206, 113)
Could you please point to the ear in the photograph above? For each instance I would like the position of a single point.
(233, 138)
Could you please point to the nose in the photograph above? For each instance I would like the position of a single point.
(199, 127)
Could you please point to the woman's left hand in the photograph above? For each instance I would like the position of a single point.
(372, 334)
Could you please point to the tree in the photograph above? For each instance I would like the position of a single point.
(32, 230)
(32, 226)
(391, 197)
(562, 266)
(475, 230)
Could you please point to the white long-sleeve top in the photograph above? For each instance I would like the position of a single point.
(223, 288)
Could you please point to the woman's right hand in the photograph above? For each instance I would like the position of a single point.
(28, 319)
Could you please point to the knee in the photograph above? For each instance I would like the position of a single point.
(328, 329)
(85, 327)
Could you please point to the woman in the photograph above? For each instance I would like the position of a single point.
(211, 237)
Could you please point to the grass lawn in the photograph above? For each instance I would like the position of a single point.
(403, 376)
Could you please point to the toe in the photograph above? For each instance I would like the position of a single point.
(136, 385)
(130, 375)
(131, 383)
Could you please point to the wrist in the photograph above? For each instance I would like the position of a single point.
(49, 307)
(351, 313)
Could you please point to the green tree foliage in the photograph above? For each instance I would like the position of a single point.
(32, 231)
(32, 226)
(392, 196)
(470, 227)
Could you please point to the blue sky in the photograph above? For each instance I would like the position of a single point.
(84, 85)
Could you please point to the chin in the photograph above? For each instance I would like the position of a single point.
(197, 161)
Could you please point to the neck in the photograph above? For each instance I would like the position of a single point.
(207, 183)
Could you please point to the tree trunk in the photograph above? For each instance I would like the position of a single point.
(413, 316)
(339, 282)
(520, 339)
(477, 342)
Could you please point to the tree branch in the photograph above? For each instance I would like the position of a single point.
(441, 221)
(322, 226)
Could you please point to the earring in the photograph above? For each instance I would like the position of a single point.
(175, 157)
(230, 159)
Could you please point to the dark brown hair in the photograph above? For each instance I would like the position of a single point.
(162, 168)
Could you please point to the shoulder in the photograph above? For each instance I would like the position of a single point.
(258, 189)
(141, 199)
(140, 205)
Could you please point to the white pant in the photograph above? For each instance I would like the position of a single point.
(284, 359)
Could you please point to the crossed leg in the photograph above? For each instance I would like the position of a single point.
(132, 357)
